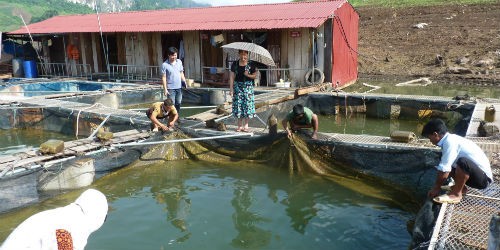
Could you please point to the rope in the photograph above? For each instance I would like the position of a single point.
(371, 86)
(105, 48)
(78, 116)
(263, 122)
(32, 42)
(98, 127)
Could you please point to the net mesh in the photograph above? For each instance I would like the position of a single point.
(465, 225)
(291, 154)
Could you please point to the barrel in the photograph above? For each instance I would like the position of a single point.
(30, 69)
(17, 68)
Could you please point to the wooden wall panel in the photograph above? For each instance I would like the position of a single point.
(192, 59)
(297, 54)
(86, 52)
(97, 52)
(120, 48)
(136, 51)
(156, 49)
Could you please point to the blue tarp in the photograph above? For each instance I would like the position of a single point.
(19, 50)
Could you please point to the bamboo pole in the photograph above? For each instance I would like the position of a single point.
(181, 140)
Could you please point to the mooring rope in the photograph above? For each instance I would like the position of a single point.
(32, 41)
(78, 117)
(98, 127)
(371, 86)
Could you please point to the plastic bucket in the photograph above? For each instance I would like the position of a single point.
(30, 69)
(17, 68)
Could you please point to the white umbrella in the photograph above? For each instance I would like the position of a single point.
(255, 52)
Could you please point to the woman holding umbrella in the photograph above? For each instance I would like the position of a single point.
(241, 82)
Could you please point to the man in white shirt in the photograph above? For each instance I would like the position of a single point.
(461, 159)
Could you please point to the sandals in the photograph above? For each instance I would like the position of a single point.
(246, 130)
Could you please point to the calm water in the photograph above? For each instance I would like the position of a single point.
(17, 140)
(434, 89)
(194, 205)
(359, 123)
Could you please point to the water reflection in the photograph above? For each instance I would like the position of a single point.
(194, 205)
(176, 201)
(300, 207)
(246, 222)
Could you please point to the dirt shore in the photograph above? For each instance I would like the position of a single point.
(457, 44)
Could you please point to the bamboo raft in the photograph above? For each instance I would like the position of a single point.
(32, 159)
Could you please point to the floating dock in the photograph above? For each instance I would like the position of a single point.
(459, 226)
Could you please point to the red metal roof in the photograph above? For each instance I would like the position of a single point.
(262, 16)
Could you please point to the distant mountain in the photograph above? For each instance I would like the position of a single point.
(127, 5)
(34, 11)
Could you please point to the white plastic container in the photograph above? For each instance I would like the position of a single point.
(282, 84)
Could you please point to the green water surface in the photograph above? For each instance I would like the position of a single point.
(194, 205)
(433, 89)
(18, 140)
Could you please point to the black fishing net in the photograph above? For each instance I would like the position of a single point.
(294, 154)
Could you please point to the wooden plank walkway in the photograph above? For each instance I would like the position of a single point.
(71, 148)
(261, 100)
(478, 116)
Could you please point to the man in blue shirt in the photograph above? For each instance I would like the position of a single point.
(172, 77)
(461, 159)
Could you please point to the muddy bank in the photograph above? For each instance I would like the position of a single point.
(458, 44)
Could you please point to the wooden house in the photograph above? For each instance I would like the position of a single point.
(300, 36)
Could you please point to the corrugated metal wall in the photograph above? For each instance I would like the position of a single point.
(345, 45)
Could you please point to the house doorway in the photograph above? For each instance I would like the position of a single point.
(172, 40)
(111, 48)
